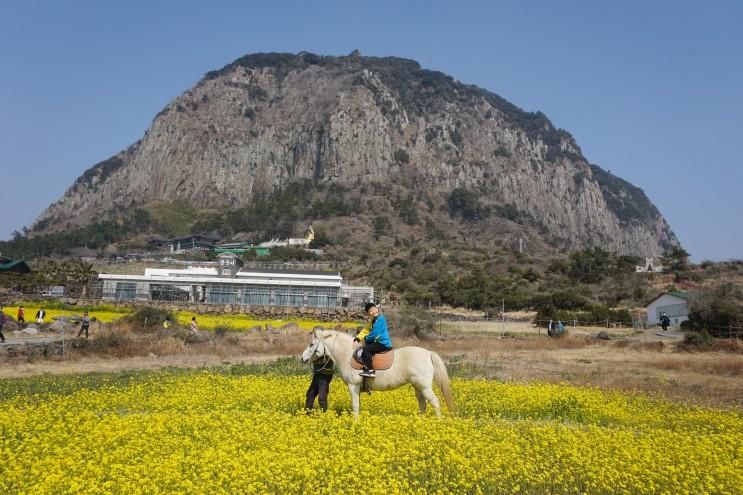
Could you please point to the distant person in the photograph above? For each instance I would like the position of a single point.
(559, 328)
(550, 328)
(322, 374)
(40, 315)
(85, 325)
(194, 326)
(2, 322)
(21, 315)
(665, 321)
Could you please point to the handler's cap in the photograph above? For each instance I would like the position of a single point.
(369, 306)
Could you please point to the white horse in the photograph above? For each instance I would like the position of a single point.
(415, 365)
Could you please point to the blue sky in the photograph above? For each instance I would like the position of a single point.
(651, 90)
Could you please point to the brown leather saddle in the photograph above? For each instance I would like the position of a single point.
(380, 361)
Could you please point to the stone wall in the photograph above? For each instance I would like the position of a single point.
(28, 351)
(338, 315)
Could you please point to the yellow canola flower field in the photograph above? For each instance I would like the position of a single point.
(214, 432)
(104, 316)
(236, 322)
(243, 322)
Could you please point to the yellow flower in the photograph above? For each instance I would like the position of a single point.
(211, 432)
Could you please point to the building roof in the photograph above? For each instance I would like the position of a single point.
(681, 295)
(244, 277)
(206, 237)
(292, 272)
(10, 265)
(234, 245)
(221, 280)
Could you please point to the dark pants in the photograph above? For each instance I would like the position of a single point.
(2, 337)
(368, 351)
(320, 388)
(83, 327)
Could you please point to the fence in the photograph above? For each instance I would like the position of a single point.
(636, 324)
(729, 332)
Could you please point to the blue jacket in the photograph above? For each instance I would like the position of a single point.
(379, 332)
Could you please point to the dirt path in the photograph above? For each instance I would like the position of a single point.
(114, 365)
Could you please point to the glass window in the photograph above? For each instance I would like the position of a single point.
(126, 290)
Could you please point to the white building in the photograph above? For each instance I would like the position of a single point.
(226, 282)
(303, 242)
(674, 304)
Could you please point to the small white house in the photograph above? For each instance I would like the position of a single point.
(674, 304)
(650, 266)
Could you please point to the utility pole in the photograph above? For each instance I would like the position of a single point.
(521, 245)
(503, 318)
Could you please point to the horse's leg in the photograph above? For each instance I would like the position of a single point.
(355, 391)
(431, 397)
(421, 400)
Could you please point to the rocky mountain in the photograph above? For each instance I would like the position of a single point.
(405, 151)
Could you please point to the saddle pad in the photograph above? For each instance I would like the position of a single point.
(380, 361)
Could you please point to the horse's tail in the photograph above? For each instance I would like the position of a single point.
(441, 377)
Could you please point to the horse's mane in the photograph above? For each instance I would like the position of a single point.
(342, 335)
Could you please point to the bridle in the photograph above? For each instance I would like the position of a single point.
(314, 347)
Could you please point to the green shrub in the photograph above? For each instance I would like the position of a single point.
(410, 322)
(697, 339)
(401, 156)
(717, 310)
(466, 204)
(147, 318)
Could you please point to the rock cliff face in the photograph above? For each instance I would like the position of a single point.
(268, 120)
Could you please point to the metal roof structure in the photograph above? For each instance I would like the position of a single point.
(8, 265)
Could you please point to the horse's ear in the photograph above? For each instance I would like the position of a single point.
(316, 331)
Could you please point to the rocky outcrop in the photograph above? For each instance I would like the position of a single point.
(267, 120)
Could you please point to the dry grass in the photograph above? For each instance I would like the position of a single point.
(518, 328)
(509, 343)
(639, 362)
(656, 346)
(710, 363)
(692, 378)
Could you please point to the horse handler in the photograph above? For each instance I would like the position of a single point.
(322, 374)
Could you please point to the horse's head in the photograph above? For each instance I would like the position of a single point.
(315, 350)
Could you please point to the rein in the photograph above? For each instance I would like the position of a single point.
(328, 362)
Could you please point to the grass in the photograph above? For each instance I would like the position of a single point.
(43, 385)
(710, 364)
